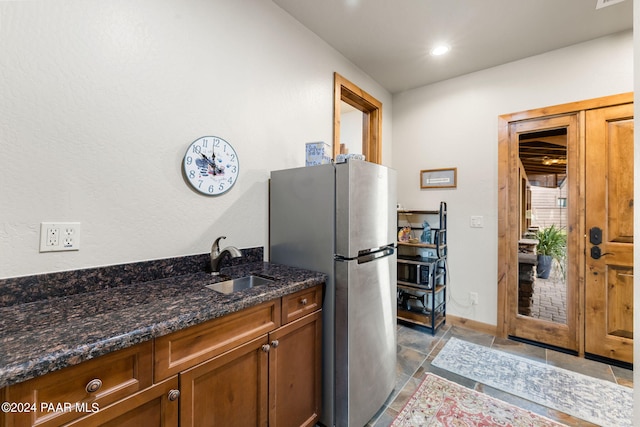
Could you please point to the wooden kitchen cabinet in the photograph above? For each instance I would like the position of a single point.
(295, 373)
(301, 303)
(155, 406)
(242, 369)
(229, 390)
(3, 415)
(272, 380)
(101, 381)
(186, 348)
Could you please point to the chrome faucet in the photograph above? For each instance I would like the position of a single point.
(217, 255)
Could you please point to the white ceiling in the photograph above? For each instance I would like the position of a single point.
(390, 39)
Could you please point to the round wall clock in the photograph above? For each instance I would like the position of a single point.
(211, 165)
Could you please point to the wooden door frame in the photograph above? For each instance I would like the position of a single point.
(344, 90)
(507, 203)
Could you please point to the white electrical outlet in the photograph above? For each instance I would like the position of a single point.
(52, 236)
(473, 296)
(59, 236)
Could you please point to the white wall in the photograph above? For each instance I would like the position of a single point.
(351, 130)
(455, 124)
(99, 100)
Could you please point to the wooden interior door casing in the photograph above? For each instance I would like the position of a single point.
(506, 244)
(371, 108)
(609, 279)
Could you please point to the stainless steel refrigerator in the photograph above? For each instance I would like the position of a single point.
(341, 220)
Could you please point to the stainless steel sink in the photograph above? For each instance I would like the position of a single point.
(234, 285)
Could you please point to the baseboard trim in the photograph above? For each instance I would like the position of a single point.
(472, 324)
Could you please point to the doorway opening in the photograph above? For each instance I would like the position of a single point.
(348, 98)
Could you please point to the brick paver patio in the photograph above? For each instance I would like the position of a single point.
(550, 298)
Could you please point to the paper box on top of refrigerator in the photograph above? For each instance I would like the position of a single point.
(317, 153)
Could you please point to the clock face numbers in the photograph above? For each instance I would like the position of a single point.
(211, 165)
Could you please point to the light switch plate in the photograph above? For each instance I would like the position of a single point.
(476, 222)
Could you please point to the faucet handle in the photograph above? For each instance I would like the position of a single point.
(215, 248)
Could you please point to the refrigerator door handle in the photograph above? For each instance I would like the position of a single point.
(369, 255)
(388, 251)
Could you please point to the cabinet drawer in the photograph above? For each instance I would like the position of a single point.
(301, 303)
(183, 349)
(156, 406)
(98, 382)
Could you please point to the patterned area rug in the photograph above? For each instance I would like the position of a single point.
(438, 402)
(598, 401)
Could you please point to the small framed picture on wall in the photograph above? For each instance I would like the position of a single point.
(438, 178)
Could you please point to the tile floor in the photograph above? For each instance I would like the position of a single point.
(417, 348)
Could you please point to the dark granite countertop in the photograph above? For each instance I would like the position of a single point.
(46, 335)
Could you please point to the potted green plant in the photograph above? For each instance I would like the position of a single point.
(552, 244)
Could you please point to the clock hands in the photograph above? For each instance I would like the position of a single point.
(207, 159)
(212, 162)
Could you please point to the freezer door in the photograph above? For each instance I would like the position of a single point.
(301, 217)
(365, 347)
(365, 207)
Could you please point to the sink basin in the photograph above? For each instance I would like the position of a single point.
(234, 285)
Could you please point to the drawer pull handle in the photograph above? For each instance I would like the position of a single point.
(303, 301)
(173, 395)
(266, 348)
(93, 385)
(275, 343)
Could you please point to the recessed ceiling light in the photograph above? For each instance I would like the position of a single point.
(604, 3)
(440, 50)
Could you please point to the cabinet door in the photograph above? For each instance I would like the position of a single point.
(156, 406)
(229, 390)
(295, 364)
